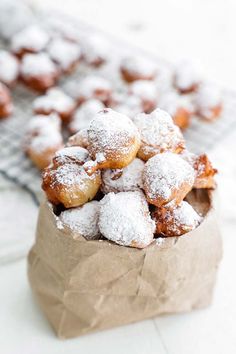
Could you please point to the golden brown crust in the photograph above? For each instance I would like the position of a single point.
(79, 139)
(43, 158)
(6, 106)
(182, 118)
(70, 185)
(42, 82)
(172, 220)
(177, 195)
(204, 172)
(213, 113)
(190, 89)
(65, 116)
(113, 159)
(98, 94)
(167, 177)
(145, 154)
(131, 76)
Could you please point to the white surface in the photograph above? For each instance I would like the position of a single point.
(200, 29)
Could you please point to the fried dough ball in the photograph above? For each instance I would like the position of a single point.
(55, 100)
(128, 179)
(43, 138)
(32, 39)
(69, 184)
(208, 102)
(178, 107)
(65, 54)
(82, 221)
(146, 91)
(167, 177)
(125, 219)
(38, 71)
(84, 114)
(113, 141)
(95, 50)
(70, 154)
(6, 106)
(130, 105)
(172, 220)
(79, 139)
(92, 86)
(137, 68)
(204, 171)
(9, 68)
(186, 78)
(158, 134)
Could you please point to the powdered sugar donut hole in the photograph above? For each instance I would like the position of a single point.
(82, 221)
(158, 134)
(55, 100)
(84, 114)
(38, 71)
(125, 219)
(137, 68)
(129, 179)
(113, 140)
(172, 220)
(9, 68)
(64, 53)
(167, 177)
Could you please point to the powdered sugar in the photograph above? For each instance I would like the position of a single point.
(139, 66)
(84, 114)
(43, 132)
(184, 214)
(9, 67)
(71, 175)
(79, 139)
(37, 64)
(144, 89)
(188, 156)
(125, 219)
(171, 101)
(31, 38)
(130, 105)
(111, 131)
(92, 87)
(43, 142)
(41, 122)
(64, 52)
(186, 75)
(158, 132)
(95, 49)
(207, 97)
(129, 179)
(82, 220)
(77, 153)
(55, 99)
(165, 172)
(181, 219)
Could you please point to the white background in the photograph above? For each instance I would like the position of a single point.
(204, 31)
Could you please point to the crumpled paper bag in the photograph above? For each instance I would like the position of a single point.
(85, 286)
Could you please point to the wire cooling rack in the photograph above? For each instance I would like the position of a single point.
(15, 166)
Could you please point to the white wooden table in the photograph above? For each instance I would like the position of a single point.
(172, 30)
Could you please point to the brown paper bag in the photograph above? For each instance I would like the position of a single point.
(85, 286)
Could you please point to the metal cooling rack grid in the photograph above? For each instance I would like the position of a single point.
(14, 165)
